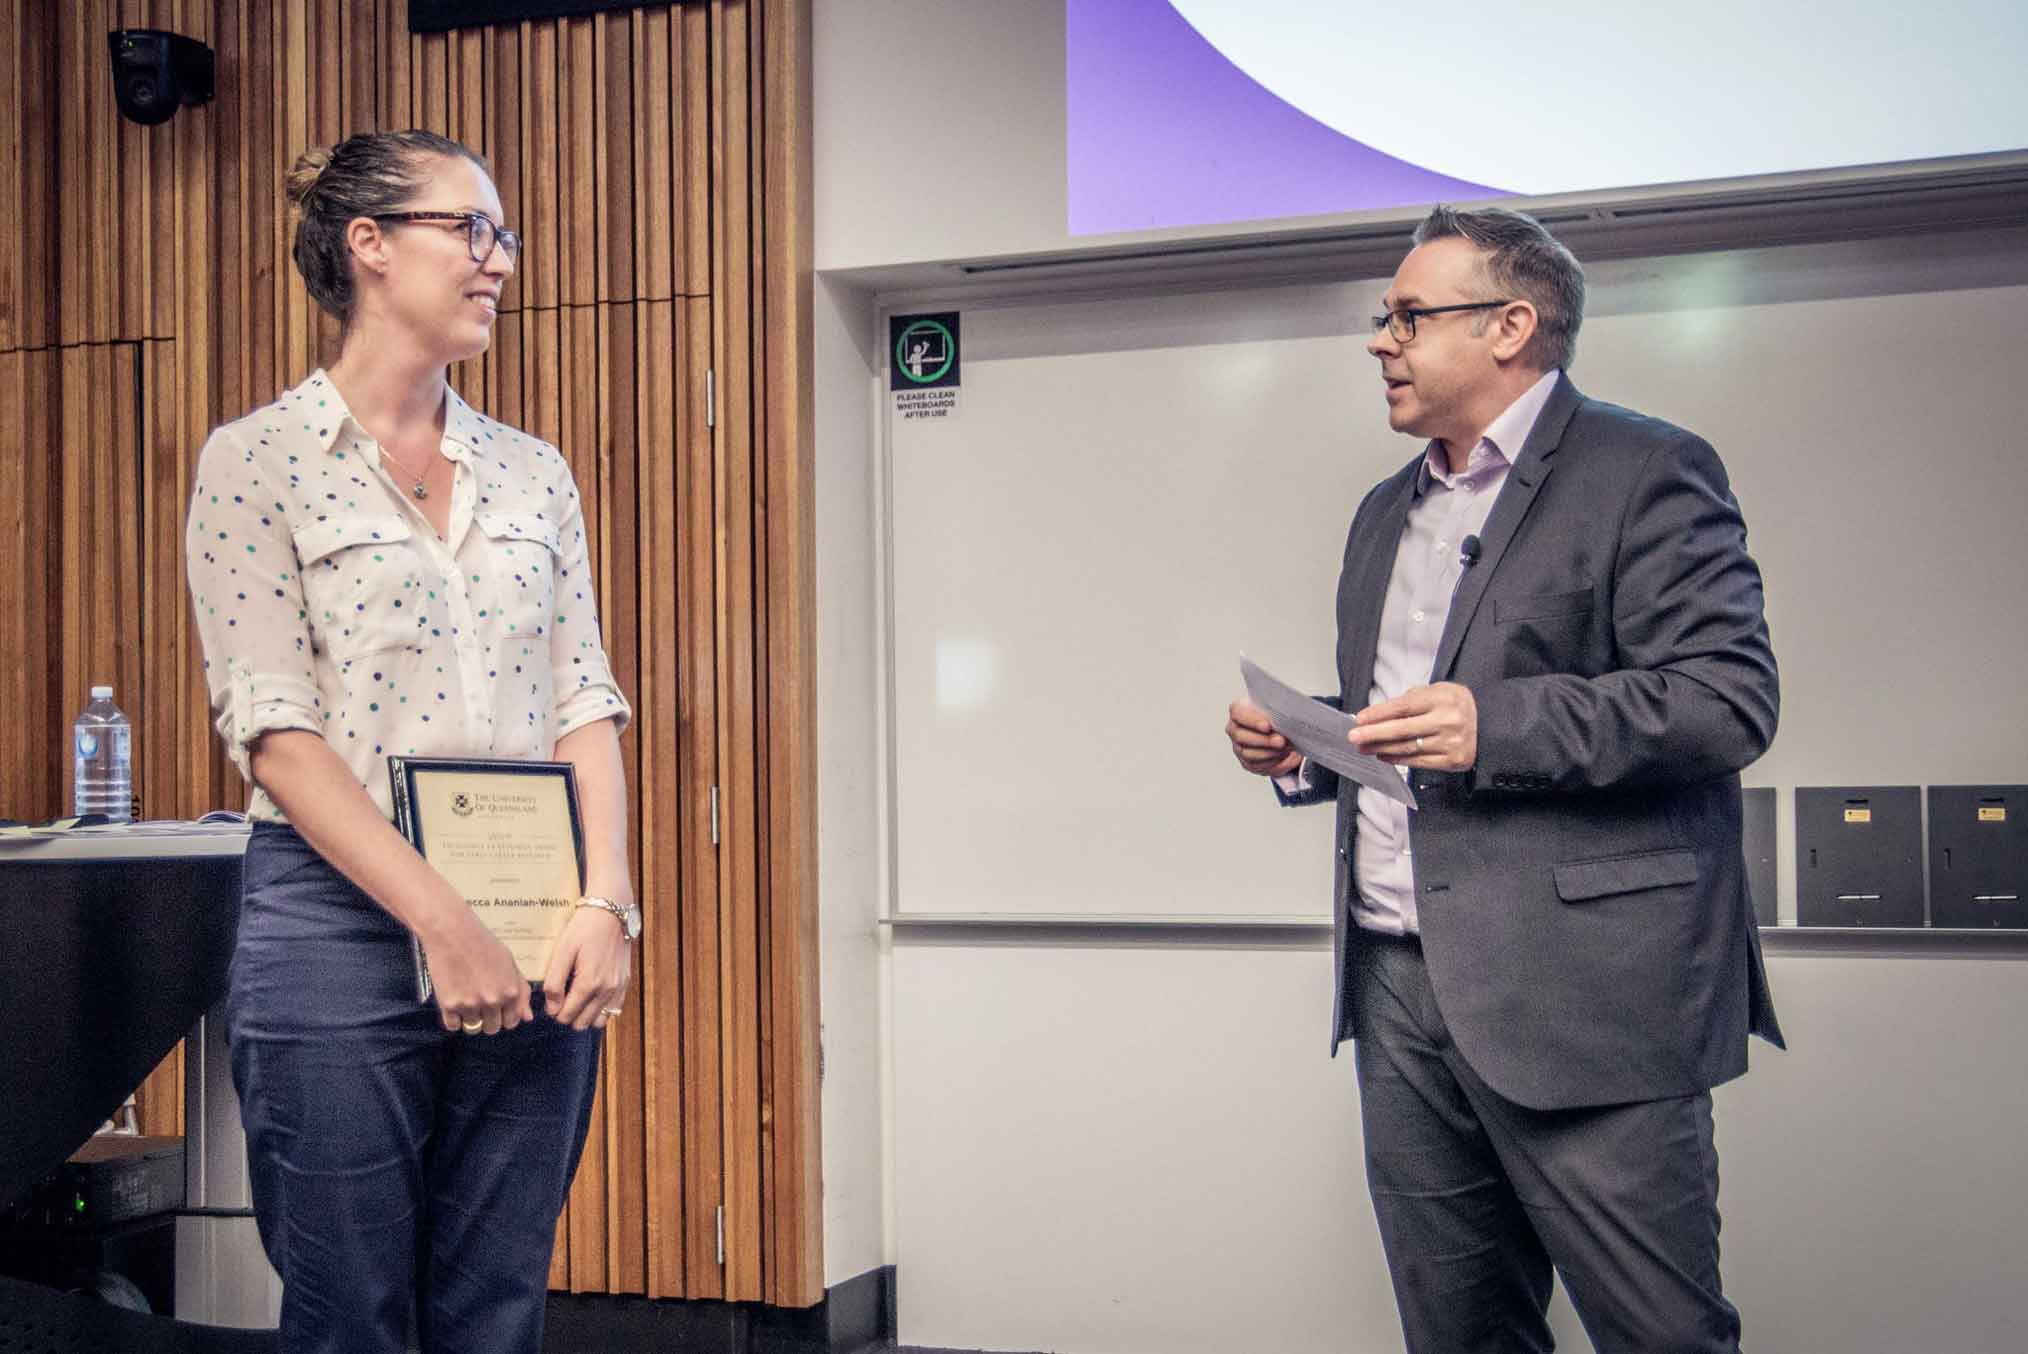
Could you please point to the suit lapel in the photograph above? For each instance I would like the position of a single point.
(1362, 592)
(1531, 468)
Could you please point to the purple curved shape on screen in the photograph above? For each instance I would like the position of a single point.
(1164, 130)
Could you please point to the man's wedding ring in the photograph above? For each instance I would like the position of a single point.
(471, 1026)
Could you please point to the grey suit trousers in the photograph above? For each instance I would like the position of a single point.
(1478, 1197)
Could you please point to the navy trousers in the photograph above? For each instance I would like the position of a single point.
(1479, 1198)
(396, 1169)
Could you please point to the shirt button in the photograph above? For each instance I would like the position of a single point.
(1418, 615)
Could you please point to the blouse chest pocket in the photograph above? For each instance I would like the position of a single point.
(518, 576)
(361, 584)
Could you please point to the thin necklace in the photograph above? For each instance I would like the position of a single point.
(418, 490)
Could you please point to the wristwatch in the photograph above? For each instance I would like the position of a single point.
(628, 913)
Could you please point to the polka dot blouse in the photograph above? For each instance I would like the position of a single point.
(326, 602)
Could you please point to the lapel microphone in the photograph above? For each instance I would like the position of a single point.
(1468, 552)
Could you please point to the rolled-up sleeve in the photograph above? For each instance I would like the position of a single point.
(247, 595)
(582, 677)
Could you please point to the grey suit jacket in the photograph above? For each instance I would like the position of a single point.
(1581, 890)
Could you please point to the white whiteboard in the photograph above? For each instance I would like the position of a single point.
(1133, 490)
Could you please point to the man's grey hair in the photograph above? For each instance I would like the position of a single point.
(1523, 261)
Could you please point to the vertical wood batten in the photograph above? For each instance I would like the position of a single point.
(18, 755)
(539, 146)
(659, 716)
(294, 135)
(502, 87)
(431, 76)
(575, 376)
(358, 37)
(613, 164)
(696, 1100)
(740, 999)
(576, 182)
(96, 216)
(763, 608)
(795, 1223)
(29, 419)
(70, 126)
(15, 152)
(691, 161)
(34, 301)
(397, 102)
(130, 296)
(653, 108)
(80, 579)
(620, 592)
(157, 669)
(468, 89)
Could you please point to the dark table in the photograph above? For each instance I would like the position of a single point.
(115, 942)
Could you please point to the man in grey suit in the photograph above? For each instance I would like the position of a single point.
(1550, 621)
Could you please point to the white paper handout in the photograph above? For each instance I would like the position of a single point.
(1318, 732)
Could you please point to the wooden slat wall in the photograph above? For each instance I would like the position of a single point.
(761, 252)
(657, 161)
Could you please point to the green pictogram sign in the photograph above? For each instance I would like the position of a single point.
(923, 352)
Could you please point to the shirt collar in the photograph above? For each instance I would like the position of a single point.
(1500, 443)
(463, 425)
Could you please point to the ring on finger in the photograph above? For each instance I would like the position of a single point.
(1418, 743)
(471, 1026)
(609, 1011)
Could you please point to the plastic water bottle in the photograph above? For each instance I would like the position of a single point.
(103, 779)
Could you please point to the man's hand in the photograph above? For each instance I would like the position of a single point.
(1435, 728)
(1254, 741)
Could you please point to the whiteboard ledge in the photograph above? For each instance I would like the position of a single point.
(1109, 921)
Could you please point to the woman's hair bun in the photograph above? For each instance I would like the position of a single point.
(309, 168)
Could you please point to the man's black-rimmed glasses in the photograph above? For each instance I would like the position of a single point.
(481, 231)
(1401, 323)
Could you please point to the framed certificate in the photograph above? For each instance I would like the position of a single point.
(507, 836)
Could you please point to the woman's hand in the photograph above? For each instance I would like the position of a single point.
(479, 987)
(586, 982)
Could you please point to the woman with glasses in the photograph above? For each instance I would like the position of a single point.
(378, 569)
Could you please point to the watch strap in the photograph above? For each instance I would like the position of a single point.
(628, 918)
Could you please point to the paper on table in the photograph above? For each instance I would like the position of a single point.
(208, 826)
(1318, 732)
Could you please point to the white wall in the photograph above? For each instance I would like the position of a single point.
(849, 851)
(1142, 1149)
(1113, 1142)
(939, 129)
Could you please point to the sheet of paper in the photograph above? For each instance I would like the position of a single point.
(1318, 732)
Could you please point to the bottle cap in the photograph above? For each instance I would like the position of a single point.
(102, 693)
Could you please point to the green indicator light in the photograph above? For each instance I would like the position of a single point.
(80, 1203)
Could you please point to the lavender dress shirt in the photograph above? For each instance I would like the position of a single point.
(1427, 566)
